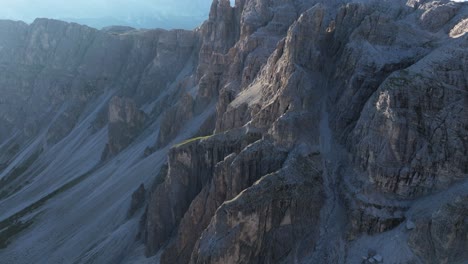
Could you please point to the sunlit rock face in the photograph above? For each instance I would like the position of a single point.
(276, 132)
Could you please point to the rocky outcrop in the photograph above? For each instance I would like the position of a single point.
(126, 121)
(459, 29)
(230, 177)
(138, 200)
(377, 85)
(372, 218)
(268, 220)
(437, 14)
(174, 119)
(362, 68)
(441, 236)
(230, 67)
(191, 166)
(330, 132)
(410, 137)
(54, 70)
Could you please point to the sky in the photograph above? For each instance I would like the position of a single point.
(168, 14)
(136, 13)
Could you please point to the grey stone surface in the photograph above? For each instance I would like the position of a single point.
(328, 128)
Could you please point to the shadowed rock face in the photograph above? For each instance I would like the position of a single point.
(191, 167)
(441, 236)
(397, 126)
(138, 200)
(231, 176)
(268, 220)
(126, 121)
(315, 132)
(411, 137)
(51, 67)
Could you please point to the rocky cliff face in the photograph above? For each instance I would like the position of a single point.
(125, 123)
(50, 67)
(440, 236)
(293, 132)
(357, 62)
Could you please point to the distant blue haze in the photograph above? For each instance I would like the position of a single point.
(100, 13)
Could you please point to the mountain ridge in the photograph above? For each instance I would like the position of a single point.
(316, 131)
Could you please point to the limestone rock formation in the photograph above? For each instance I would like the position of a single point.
(267, 221)
(230, 177)
(191, 166)
(277, 132)
(441, 236)
(437, 14)
(381, 73)
(126, 121)
(413, 129)
(138, 200)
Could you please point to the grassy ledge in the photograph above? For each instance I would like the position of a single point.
(190, 140)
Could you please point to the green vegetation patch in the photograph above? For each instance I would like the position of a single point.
(191, 140)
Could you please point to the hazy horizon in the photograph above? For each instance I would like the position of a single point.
(101, 13)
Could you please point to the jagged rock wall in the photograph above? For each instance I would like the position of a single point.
(268, 220)
(50, 67)
(231, 176)
(441, 236)
(388, 97)
(126, 121)
(191, 167)
(411, 137)
(323, 124)
(57, 114)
